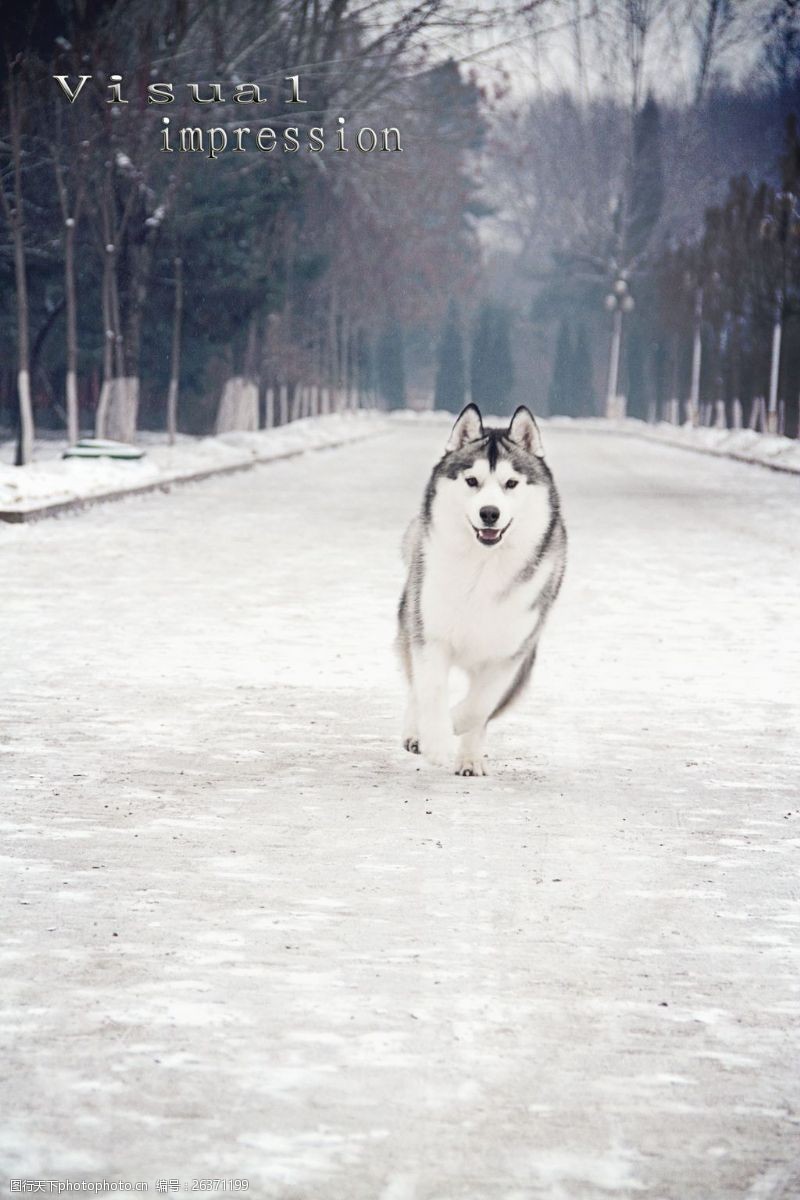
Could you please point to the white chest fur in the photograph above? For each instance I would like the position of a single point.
(472, 599)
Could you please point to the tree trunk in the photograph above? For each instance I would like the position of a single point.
(697, 356)
(333, 340)
(238, 406)
(346, 359)
(612, 405)
(73, 418)
(175, 365)
(15, 217)
(774, 374)
(101, 415)
(123, 408)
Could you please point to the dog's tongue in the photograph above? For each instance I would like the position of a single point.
(488, 535)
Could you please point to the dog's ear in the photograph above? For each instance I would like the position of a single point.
(524, 431)
(468, 428)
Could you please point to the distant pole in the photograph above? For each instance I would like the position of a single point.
(172, 397)
(613, 365)
(697, 356)
(618, 301)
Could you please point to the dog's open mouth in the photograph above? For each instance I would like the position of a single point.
(489, 535)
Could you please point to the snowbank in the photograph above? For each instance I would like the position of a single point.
(53, 483)
(744, 445)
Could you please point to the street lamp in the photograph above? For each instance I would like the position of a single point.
(618, 301)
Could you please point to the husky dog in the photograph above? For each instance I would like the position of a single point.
(485, 560)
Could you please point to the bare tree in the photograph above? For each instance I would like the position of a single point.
(175, 361)
(12, 200)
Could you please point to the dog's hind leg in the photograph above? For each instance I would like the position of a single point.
(410, 725)
(410, 734)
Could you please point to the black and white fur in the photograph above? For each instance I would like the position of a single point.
(485, 561)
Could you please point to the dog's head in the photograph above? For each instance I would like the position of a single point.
(490, 478)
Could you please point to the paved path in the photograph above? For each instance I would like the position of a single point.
(245, 936)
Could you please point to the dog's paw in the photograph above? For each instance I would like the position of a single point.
(471, 765)
(411, 744)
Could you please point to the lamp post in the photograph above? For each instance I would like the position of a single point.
(618, 301)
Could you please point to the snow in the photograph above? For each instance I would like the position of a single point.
(744, 445)
(246, 935)
(49, 479)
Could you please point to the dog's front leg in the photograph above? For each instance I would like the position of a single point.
(487, 687)
(431, 663)
(471, 754)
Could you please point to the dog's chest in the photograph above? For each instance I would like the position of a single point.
(476, 606)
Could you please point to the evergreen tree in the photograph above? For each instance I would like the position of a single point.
(561, 398)
(451, 384)
(636, 363)
(582, 374)
(491, 365)
(647, 179)
(365, 364)
(481, 357)
(391, 366)
(503, 361)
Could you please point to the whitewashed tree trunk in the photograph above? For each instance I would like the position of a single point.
(172, 410)
(238, 406)
(720, 419)
(774, 374)
(101, 415)
(284, 404)
(270, 407)
(758, 414)
(73, 429)
(612, 399)
(737, 414)
(26, 429)
(693, 411)
(73, 425)
(175, 363)
(13, 210)
(123, 408)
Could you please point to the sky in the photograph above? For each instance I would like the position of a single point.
(541, 49)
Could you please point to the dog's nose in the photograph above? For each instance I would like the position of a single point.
(490, 515)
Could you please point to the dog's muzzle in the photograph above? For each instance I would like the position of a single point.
(489, 535)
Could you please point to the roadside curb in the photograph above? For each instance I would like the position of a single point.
(78, 504)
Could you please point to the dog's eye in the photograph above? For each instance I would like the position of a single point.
(472, 481)
(512, 483)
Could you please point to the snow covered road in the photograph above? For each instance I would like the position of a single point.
(245, 936)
